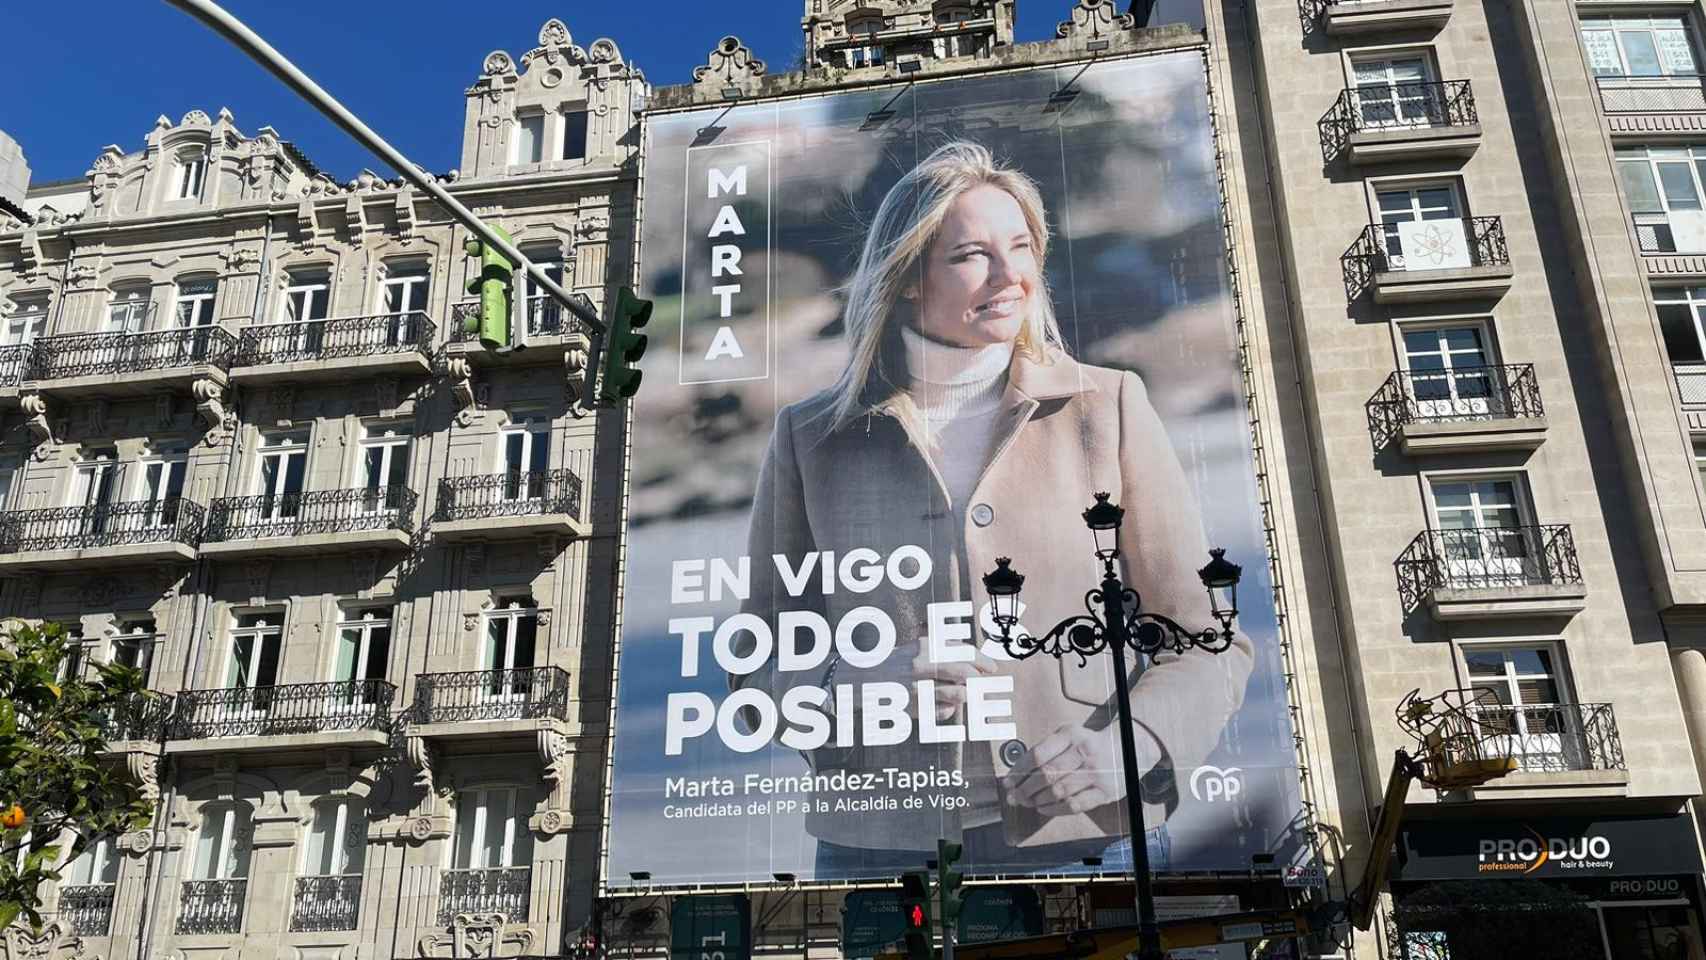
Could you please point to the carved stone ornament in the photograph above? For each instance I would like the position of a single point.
(240, 259)
(1092, 19)
(144, 770)
(478, 935)
(552, 821)
(80, 276)
(421, 758)
(603, 50)
(420, 829)
(210, 405)
(554, 755)
(256, 573)
(462, 388)
(197, 117)
(136, 842)
(731, 64)
(554, 33)
(34, 406)
(56, 941)
(498, 63)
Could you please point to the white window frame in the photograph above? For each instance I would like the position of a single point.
(1458, 209)
(507, 615)
(1672, 213)
(347, 851)
(1527, 740)
(99, 468)
(363, 624)
(540, 305)
(406, 278)
(102, 858)
(7, 476)
(1620, 24)
(1518, 566)
(128, 307)
(26, 321)
(282, 446)
(1408, 109)
(516, 852)
(304, 291)
(532, 432)
(171, 464)
(1472, 391)
(565, 125)
(131, 632)
(200, 302)
(229, 835)
(394, 445)
(522, 118)
(189, 174)
(268, 629)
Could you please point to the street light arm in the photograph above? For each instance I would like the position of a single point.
(232, 29)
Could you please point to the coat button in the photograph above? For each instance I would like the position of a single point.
(983, 514)
(1012, 752)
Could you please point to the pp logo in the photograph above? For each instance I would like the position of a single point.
(1212, 784)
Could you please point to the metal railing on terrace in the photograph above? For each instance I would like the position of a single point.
(517, 494)
(1556, 737)
(545, 318)
(106, 354)
(211, 906)
(1676, 93)
(323, 903)
(311, 512)
(1503, 392)
(141, 717)
(170, 520)
(1376, 250)
(502, 890)
(335, 338)
(527, 693)
(87, 908)
(1487, 558)
(1410, 105)
(14, 361)
(283, 709)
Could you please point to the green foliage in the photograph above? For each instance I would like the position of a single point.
(53, 731)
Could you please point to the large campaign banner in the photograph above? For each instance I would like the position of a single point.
(900, 333)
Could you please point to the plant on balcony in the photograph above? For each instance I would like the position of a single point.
(58, 794)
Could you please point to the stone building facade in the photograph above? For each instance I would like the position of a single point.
(246, 445)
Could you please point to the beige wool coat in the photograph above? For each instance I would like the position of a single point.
(1064, 430)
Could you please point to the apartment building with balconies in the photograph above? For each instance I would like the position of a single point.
(249, 447)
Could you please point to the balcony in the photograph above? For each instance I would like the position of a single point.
(140, 719)
(488, 710)
(110, 534)
(1444, 259)
(1664, 105)
(14, 360)
(509, 505)
(1459, 410)
(211, 907)
(1492, 572)
(1572, 746)
(1343, 17)
(1673, 245)
(390, 344)
(113, 364)
(87, 908)
(504, 890)
(325, 903)
(319, 521)
(1404, 121)
(346, 713)
(551, 331)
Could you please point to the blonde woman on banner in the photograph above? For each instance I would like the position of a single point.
(962, 424)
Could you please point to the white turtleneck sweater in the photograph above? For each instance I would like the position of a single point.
(957, 391)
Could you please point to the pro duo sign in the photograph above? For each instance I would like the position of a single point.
(1527, 854)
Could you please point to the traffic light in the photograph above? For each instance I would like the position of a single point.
(948, 882)
(492, 286)
(623, 347)
(915, 911)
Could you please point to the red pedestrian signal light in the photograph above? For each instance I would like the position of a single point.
(915, 907)
(917, 918)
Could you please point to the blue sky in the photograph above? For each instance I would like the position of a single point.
(87, 73)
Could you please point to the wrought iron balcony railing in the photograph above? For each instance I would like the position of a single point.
(1377, 250)
(545, 318)
(326, 902)
(336, 338)
(283, 709)
(530, 693)
(530, 494)
(14, 360)
(1677, 93)
(1556, 737)
(311, 512)
(104, 354)
(502, 890)
(87, 908)
(212, 906)
(1487, 558)
(1410, 105)
(141, 717)
(1504, 392)
(172, 520)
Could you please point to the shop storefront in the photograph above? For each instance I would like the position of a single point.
(1618, 887)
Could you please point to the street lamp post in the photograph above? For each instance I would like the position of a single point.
(1122, 624)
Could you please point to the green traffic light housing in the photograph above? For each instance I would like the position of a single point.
(492, 285)
(623, 347)
(948, 880)
(915, 913)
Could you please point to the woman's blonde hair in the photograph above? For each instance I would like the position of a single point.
(906, 224)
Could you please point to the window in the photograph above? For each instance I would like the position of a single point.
(1485, 531)
(128, 309)
(403, 297)
(161, 487)
(97, 864)
(307, 296)
(511, 632)
(194, 307)
(574, 135)
(253, 660)
(6, 474)
(1449, 375)
(526, 458)
(337, 838)
(544, 313)
(93, 481)
(1396, 92)
(222, 843)
(1524, 696)
(384, 467)
(133, 646)
(283, 460)
(529, 138)
(1639, 46)
(28, 318)
(1663, 187)
(364, 652)
(491, 830)
(1680, 311)
(189, 170)
(1414, 204)
(80, 653)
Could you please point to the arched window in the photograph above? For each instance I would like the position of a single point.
(189, 169)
